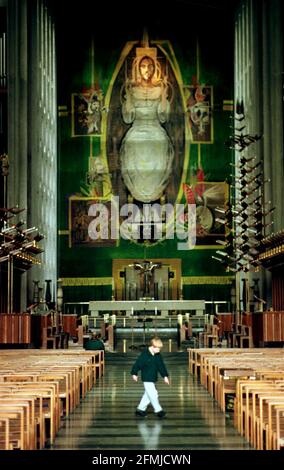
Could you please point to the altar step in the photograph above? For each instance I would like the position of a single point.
(147, 322)
(130, 356)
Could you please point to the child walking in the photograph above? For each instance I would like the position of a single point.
(150, 362)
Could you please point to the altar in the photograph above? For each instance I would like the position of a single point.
(144, 307)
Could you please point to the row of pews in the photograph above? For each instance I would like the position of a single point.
(255, 380)
(236, 334)
(244, 330)
(44, 330)
(38, 388)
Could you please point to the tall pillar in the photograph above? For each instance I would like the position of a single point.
(32, 135)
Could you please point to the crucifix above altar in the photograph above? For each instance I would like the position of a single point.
(140, 279)
(146, 270)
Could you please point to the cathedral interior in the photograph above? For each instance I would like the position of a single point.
(141, 204)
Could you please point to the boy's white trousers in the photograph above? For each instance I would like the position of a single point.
(150, 396)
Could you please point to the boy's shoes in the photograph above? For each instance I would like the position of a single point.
(140, 413)
(161, 414)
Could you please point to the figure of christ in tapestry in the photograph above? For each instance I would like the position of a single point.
(145, 128)
(146, 153)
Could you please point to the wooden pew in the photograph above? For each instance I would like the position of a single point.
(16, 416)
(4, 434)
(43, 379)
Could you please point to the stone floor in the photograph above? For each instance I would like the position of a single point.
(105, 418)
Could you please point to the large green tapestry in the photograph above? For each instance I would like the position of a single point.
(145, 107)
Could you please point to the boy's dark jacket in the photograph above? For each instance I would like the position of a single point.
(149, 365)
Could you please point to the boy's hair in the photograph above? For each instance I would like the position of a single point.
(156, 342)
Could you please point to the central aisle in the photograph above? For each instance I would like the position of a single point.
(105, 419)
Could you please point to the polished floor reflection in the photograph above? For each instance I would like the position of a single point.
(105, 418)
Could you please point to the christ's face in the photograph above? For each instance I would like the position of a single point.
(147, 68)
